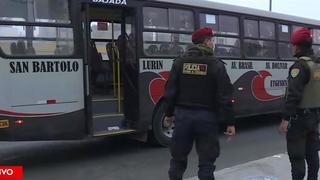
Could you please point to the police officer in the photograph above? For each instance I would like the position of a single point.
(197, 89)
(301, 111)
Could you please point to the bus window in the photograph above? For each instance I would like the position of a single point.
(12, 31)
(285, 50)
(208, 20)
(316, 50)
(284, 32)
(228, 25)
(316, 36)
(51, 11)
(259, 49)
(227, 47)
(165, 44)
(181, 20)
(251, 28)
(42, 41)
(267, 30)
(156, 18)
(97, 33)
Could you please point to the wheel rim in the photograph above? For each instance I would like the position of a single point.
(166, 131)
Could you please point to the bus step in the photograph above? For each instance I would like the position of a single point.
(114, 132)
(106, 99)
(108, 122)
(113, 115)
(106, 107)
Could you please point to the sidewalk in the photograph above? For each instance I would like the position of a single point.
(276, 167)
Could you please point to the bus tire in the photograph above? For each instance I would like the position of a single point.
(161, 135)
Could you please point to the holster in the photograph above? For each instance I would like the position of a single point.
(308, 118)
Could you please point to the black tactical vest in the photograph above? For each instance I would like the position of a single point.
(198, 81)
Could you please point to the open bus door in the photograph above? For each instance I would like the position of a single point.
(110, 42)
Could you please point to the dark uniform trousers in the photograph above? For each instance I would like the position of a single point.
(303, 144)
(201, 126)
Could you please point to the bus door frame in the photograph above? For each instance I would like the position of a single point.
(85, 22)
(86, 35)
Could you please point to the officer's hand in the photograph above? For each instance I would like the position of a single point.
(283, 128)
(230, 131)
(168, 121)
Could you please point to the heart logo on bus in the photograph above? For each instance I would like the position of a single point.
(258, 87)
(156, 86)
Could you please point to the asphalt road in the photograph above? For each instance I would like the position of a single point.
(119, 158)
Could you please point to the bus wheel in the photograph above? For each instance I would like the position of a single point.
(162, 133)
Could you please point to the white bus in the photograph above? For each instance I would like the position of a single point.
(73, 69)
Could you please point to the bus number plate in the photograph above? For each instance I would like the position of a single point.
(4, 123)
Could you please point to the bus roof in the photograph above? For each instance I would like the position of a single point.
(242, 10)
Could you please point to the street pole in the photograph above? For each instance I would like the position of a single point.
(270, 5)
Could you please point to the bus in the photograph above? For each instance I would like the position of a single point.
(73, 69)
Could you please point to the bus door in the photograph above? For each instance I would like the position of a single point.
(111, 32)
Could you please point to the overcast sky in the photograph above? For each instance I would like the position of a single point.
(302, 8)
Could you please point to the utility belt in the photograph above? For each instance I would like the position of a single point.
(308, 118)
(305, 111)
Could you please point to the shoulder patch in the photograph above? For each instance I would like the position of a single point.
(316, 75)
(195, 69)
(294, 72)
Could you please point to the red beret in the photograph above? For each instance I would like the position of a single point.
(201, 32)
(300, 35)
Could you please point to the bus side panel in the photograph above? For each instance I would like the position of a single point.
(66, 126)
(152, 78)
(47, 95)
(259, 86)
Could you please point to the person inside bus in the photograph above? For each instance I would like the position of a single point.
(176, 49)
(13, 48)
(97, 69)
(235, 50)
(21, 47)
(126, 47)
(164, 49)
(30, 49)
(301, 112)
(152, 50)
(198, 89)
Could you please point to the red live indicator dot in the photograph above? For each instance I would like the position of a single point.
(51, 101)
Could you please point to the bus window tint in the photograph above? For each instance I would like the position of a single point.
(208, 20)
(227, 47)
(181, 20)
(228, 25)
(284, 32)
(316, 50)
(267, 30)
(316, 36)
(165, 44)
(43, 40)
(259, 49)
(251, 28)
(285, 50)
(156, 18)
(51, 11)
